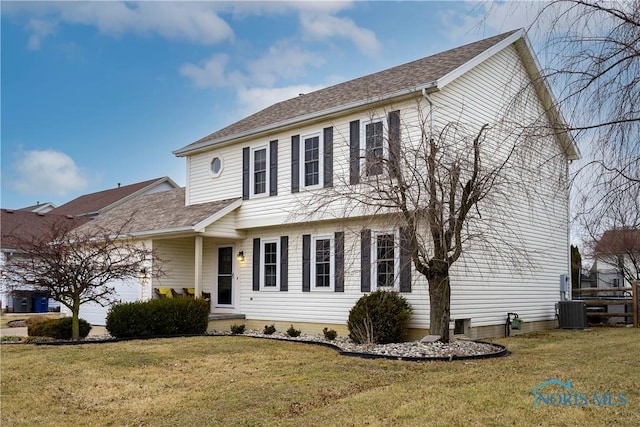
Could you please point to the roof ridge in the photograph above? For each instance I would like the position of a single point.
(403, 76)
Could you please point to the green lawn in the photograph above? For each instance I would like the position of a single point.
(249, 382)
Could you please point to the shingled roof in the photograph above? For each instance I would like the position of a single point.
(157, 213)
(619, 242)
(410, 76)
(20, 227)
(94, 203)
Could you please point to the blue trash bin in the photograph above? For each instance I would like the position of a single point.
(40, 305)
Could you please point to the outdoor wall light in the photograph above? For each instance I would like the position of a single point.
(143, 273)
(240, 256)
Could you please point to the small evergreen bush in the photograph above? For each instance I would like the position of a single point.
(329, 334)
(269, 329)
(158, 317)
(379, 318)
(59, 329)
(237, 329)
(293, 332)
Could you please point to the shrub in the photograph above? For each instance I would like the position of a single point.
(59, 329)
(329, 334)
(237, 329)
(158, 317)
(293, 332)
(32, 320)
(379, 318)
(269, 329)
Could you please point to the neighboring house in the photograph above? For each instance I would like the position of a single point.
(97, 203)
(249, 230)
(39, 207)
(16, 224)
(617, 258)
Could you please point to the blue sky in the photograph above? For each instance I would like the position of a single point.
(100, 93)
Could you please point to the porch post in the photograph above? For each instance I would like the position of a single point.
(198, 267)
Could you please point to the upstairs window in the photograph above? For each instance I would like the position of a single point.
(259, 162)
(311, 167)
(374, 147)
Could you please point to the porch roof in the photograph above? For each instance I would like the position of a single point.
(160, 214)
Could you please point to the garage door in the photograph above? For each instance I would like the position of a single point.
(97, 315)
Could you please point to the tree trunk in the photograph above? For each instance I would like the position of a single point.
(75, 321)
(440, 304)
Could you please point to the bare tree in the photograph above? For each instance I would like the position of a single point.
(440, 186)
(612, 232)
(74, 266)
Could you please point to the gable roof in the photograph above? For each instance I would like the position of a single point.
(95, 203)
(21, 226)
(396, 81)
(161, 213)
(619, 242)
(39, 207)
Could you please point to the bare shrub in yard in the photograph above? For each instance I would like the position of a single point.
(379, 318)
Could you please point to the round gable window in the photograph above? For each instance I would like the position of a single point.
(216, 166)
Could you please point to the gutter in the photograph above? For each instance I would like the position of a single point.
(204, 145)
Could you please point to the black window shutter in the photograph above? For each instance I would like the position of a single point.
(273, 168)
(339, 261)
(284, 263)
(295, 163)
(328, 156)
(306, 263)
(245, 172)
(256, 264)
(405, 261)
(394, 141)
(354, 152)
(365, 260)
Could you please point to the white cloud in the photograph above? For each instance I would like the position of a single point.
(210, 74)
(39, 29)
(324, 26)
(283, 61)
(193, 21)
(48, 172)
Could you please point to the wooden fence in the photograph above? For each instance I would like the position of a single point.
(599, 298)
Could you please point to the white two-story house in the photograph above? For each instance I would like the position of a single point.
(259, 227)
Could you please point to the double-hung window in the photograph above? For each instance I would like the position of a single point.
(270, 263)
(259, 165)
(374, 147)
(322, 262)
(311, 165)
(385, 257)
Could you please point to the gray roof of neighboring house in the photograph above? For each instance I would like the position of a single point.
(412, 75)
(94, 203)
(162, 212)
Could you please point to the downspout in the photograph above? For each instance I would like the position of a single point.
(426, 96)
(569, 294)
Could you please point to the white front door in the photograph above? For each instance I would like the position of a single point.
(224, 277)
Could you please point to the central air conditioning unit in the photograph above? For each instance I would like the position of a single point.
(572, 315)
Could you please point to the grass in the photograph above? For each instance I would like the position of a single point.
(240, 381)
